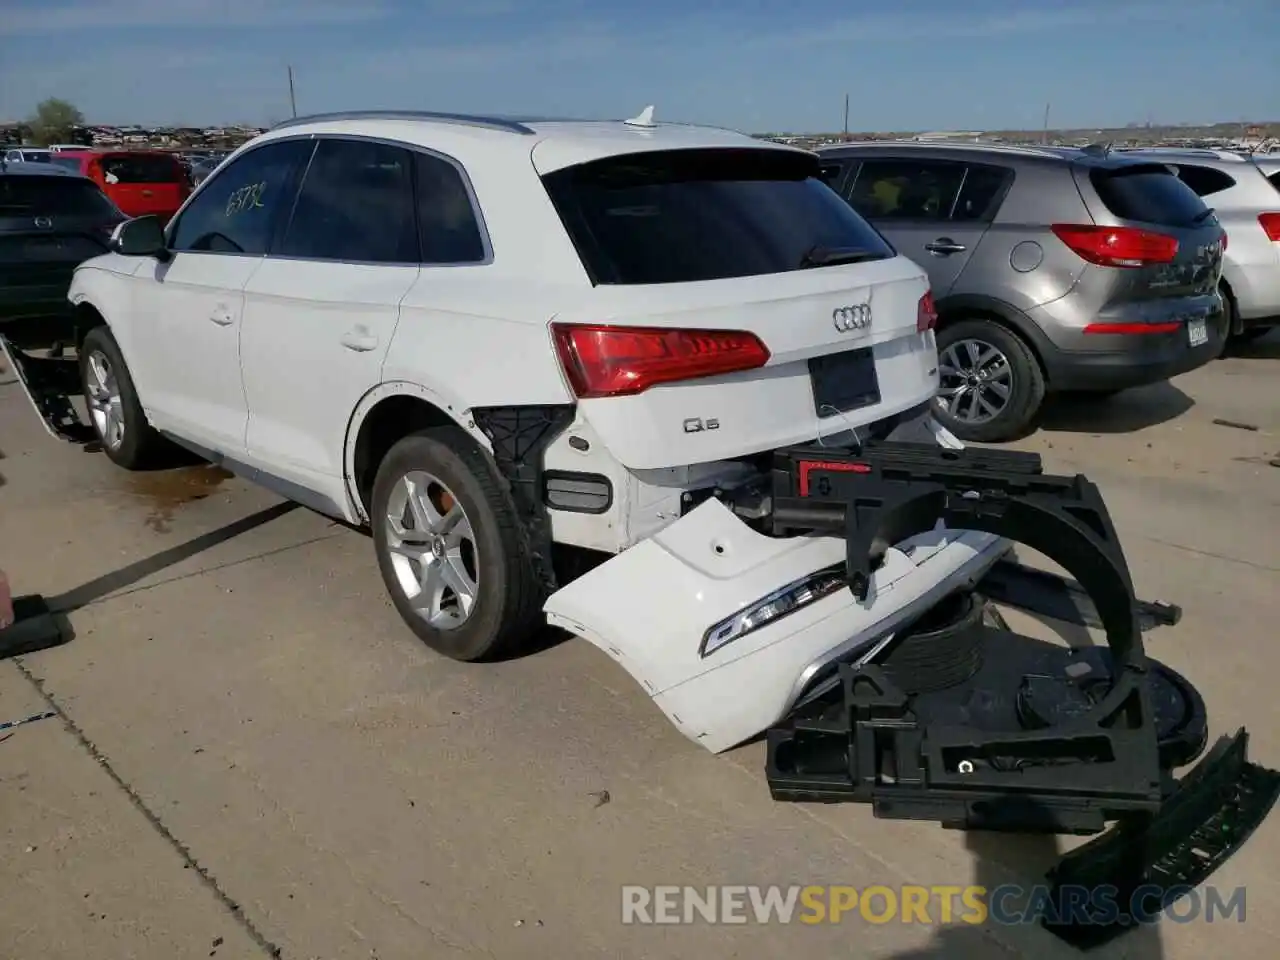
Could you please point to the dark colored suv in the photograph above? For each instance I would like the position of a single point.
(1053, 269)
(51, 221)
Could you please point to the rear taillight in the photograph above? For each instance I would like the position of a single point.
(1117, 246)
(1224, 243)
(926, 313)
(607, 361)
(1271, 224)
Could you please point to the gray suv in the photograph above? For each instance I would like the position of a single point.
(1245, 195)
(1054, 269)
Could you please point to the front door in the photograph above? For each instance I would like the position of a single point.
(321, 311)
(933, 211)
(188, 309)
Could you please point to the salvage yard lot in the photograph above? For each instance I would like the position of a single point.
(260, 756)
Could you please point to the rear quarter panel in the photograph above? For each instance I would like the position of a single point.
(1019, 261)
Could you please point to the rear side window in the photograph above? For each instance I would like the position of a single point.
(906, 189)
(1275, 179)
(982, 192)
(447, 222)
(688, 215)
(53, 196)
(1205, 181)
(356, 204)
(1147, 193)
(139, 168)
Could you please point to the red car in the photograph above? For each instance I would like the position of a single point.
(139, 182)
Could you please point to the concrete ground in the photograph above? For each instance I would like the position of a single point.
(253, 756)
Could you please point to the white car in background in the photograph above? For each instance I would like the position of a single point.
(492, 340)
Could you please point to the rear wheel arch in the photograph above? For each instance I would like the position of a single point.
(385, 415)
(968, 307)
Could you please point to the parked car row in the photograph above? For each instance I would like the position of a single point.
(1059, 270)
(491, 341)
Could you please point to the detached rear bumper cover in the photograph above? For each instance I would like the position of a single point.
(650, 607)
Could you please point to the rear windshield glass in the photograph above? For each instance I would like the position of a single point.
(689, 215)
(140, 168)
(50, 196)
(71, 162)
(1147, 194)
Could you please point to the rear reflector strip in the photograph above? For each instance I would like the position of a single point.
(1131, 329)
(772, 608)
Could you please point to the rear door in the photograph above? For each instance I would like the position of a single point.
(326, 302)
(143, 183)
(933, 211)
(48, 226)
(738, 305)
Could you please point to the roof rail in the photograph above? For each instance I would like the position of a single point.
(491, 123)
(948, 144)
(1208, 153)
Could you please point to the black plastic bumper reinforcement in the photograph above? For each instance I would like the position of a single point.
(995, 730)
(49, 383)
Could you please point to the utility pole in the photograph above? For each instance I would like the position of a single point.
(293, 103)
(846, 116)
(1044, 137)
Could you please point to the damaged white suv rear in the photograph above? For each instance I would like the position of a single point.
(491, 340)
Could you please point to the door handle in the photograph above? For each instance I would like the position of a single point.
(945, 246)
(359, 340)
(222, 317)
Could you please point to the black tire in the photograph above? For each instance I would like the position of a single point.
(507, 611)
(1027, 384)
(140, 446)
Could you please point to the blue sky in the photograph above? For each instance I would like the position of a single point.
(751, 64)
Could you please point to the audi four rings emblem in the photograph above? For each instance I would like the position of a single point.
(856, 317)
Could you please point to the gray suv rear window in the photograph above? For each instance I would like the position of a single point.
(1146, 193)
(687, 215)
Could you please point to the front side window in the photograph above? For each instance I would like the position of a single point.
(355, 205)
(237, 211)
(906, 189)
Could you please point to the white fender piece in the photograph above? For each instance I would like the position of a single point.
(650, 607)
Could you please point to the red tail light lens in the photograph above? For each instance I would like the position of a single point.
(607, 361)
(1224, 243)
(926, 313)
(1117, 246)
(1132, 329)
(1271, 224)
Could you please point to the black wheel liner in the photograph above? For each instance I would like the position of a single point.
(1101, 765)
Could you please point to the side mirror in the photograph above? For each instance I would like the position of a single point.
(140, 237)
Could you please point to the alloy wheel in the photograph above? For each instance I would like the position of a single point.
(433, 550)
(975, 381)
(102, 394)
